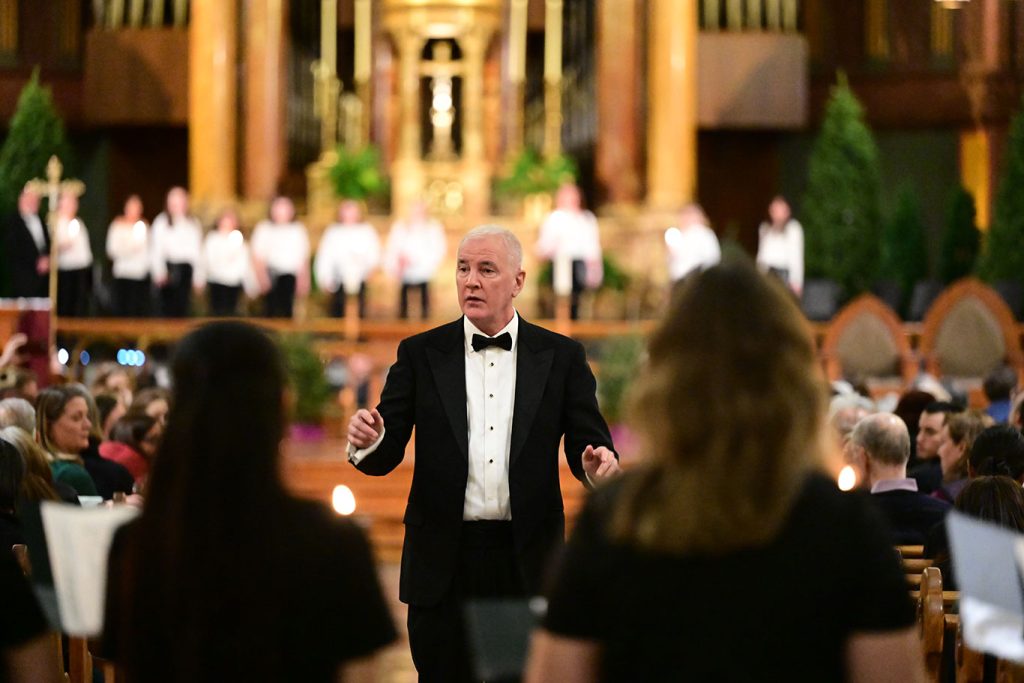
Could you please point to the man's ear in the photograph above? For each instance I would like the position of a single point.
(520, 280)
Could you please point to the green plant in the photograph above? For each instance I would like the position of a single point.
(904, 254)
(306, 375)
(356, 174)
(960, 238)
(840, 211)
(1002, 257)
(531, 174)
(36, 133)
(619, 363)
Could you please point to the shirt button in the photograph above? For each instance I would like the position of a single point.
(492, 365)
(490, 396)
(491, 461)
(492, 429)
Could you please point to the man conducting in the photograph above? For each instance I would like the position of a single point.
(490, 396)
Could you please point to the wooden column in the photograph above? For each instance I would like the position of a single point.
(212, 101)
(672, 102)
(618, 61)
(475, 175)
(264, 155)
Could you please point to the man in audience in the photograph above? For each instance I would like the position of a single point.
(999, 387)
(998, 450)
(490, 396)
(880, 444)
(845, 411)
(928, 474)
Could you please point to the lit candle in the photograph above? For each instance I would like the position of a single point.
(847, 478)
(343, 500)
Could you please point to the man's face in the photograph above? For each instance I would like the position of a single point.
(487, 281)
(28, 202)
(929, 435)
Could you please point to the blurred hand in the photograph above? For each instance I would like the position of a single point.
(43, 265)
(365, 427)
(600, 463)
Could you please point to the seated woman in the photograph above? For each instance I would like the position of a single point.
(63, 428)
(225, 576)
(38, 483)
(133, 444)
(958, 435)
(110, 477)
(672, 568)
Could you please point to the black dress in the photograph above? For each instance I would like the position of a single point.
(320, 588)
(779, 612)
(22, 619)
(110, 477)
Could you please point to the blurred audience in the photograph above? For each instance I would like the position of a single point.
(999, 387)
(928, 472)
(958, 435)
(134, 440)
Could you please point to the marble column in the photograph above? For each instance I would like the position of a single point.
(476, 178)
(672, 103)
(618, 61)
(212, 102)
(264, 155)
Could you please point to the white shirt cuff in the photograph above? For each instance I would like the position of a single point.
(356, 455)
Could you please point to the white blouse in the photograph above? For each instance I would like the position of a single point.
(73, 249)
(177, 240)
(226, 261)
(346, 252)
(695, 246)
(284, 248)
(128, 249)
(414, 252)
(783, 249)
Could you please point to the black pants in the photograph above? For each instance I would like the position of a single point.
(487, 568)
(338, 302)
(131, 298)
(74, 292)
(223, 299)
(280, 300)
(176, 295)
(424, 290)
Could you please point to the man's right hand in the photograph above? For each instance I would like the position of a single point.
(365, 427)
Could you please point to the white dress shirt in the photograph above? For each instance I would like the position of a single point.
(414, 252)
(35, 228)
(177, 241)
(226, 261)
(567, 236)
(128, 249)
(73, 249)
(490, 401)
(783, 249)
(346, 251)
(284, 248)
(692, 247)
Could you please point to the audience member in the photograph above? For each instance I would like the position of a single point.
(998, 450)
(928, 473)
(62, 427)
(845, 411)
(280, 257)
(26, 650)
(177, 241)
(38, 483)
(155, 402)
(12, 474)
(569, 238)
(780, 246)
(111, 409)
(880, 445)
(113, 378)
(909, 408)
(17, 412)
(228, 266)
(958, 435)
(128, 249)
(1017, 411)
(693, 245)
(730, 498)
(110, 477)
(27, 248)
(19, 383)
(74, 259)
(133, 443)
(219, 528)
(415, 248)
(999, 387)
(347, 254)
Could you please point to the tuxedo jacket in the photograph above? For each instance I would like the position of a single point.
(426, 388)
(22, 254)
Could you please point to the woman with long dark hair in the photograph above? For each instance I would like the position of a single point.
(225, 576)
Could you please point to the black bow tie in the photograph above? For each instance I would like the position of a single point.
(504, 341)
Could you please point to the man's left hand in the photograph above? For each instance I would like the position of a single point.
(600, 463)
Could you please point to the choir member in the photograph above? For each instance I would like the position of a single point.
(227, 265)
(691, 246)
(348, 252)
(569, 238)
(280, 256)
(74, 259)
(128, 249)
(27, 248)
(415, 248)
(177, 242)
(780, 249)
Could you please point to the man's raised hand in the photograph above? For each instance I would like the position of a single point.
(365, 427)
(600, 463)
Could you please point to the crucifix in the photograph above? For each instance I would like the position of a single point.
(442, 70)
(52, 187)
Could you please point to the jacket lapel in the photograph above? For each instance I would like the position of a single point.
(533, 363)
(448, 364)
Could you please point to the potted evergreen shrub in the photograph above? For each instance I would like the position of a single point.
(356, 174)
(904, 254)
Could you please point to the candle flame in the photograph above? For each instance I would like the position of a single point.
(847, 478)
(343, 500)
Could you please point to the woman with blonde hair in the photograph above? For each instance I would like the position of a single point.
(958, 435)
(63, 428)
(728, 554)
(38, 483)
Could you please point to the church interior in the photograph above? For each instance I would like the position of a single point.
(480, 112)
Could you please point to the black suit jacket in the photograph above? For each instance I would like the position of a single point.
(426, 388)
(911, 514)
(22, 254)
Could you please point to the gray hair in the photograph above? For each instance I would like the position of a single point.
(512, 245)
(17, 412)
(884, 437)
